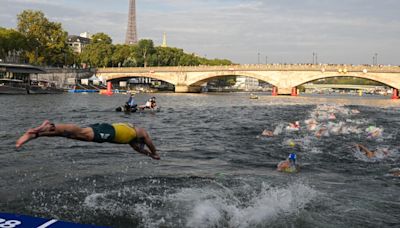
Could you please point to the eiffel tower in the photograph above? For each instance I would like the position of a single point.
(131, 33)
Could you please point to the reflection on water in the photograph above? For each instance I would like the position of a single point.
(216, 168)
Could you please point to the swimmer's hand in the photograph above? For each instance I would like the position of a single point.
(154, 156)
(142, 150)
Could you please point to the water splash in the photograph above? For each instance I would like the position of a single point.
(214, 207)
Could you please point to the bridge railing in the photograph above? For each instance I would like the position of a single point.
(258, 67)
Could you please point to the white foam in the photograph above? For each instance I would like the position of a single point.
(212, 207)
(278, 130)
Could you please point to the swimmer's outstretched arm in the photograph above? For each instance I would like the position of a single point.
(365, 150)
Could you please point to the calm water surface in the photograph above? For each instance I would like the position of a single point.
(216, 169)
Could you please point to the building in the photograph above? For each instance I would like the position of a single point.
(78, 43)
(246, 83)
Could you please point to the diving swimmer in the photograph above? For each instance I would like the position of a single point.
(118, 133)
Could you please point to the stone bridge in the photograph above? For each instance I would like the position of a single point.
(284, 78)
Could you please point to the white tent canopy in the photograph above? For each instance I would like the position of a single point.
(94, 78)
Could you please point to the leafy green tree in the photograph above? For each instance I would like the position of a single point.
(46, 40)
(101, 38)
(98, 53)
(11, 41)
(145, 50)
(167, 56)
(215, 62)
(121, 54)
(189, 60)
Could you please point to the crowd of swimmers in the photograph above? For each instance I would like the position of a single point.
(324, 123)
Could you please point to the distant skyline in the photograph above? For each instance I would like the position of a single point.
(284, 31)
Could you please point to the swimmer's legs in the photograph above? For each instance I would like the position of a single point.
(48, 129)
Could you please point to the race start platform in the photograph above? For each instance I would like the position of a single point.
(23, 221)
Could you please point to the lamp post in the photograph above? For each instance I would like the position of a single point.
(266, 59)
(258, 57)
(376, 58)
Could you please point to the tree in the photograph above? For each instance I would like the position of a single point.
(189, 60)
(98, 53)
(11, 42)
(167, 56)
(46, 40)
(121, 54)
(101, 38)
(145, 48)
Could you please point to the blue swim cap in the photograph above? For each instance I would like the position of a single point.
(292, 157)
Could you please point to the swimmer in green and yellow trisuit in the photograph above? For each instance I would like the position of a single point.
(119, 133)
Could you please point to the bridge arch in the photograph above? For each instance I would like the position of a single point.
(202, 78)
(369, 76)
(161, 77)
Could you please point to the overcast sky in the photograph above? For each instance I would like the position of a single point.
(285, 31)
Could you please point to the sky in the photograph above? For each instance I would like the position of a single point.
(244, 31)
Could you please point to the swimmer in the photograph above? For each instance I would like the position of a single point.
(267, 133)
(288, 165)
(311, 124)
(293, 126)
(369, 153)
(321, 132)
(374, 132)
(118, 133)
(332, 116)
(395, 172)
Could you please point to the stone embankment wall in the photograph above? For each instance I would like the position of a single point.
(64, 78)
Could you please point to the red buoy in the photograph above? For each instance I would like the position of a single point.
(395, 94)
(274, 91)
(294, 91)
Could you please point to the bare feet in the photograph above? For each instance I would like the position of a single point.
(33, 133)
(25, 138)
(45, 126)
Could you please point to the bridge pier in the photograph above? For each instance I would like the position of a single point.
(187, 89)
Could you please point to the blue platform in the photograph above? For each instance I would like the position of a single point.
(23, 221)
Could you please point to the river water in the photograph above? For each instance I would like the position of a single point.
(216, 170)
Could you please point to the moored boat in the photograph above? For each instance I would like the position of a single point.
(43, 87)
(13, 86)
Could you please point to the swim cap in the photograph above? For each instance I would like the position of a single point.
(292, 156)
(291, 143)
